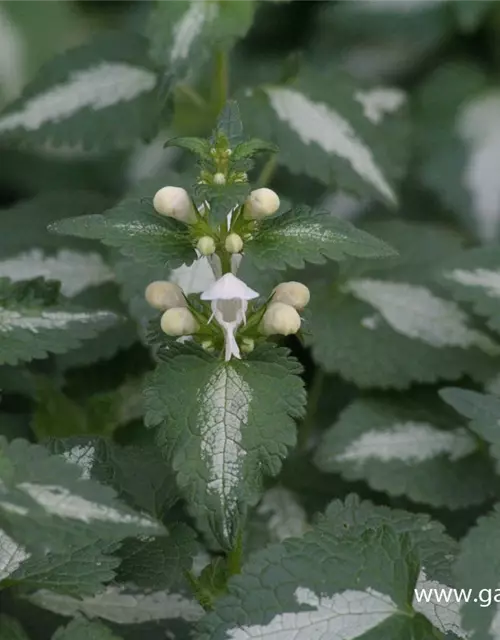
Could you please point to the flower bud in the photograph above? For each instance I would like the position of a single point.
(234, 243)
(164, 295)
(228, 153)
(247, 345)
(206, 246)
(208, 345)
(175, 203)
(295, 294)
(179, 321)
(219, 178)
(261, 203)
(280, 318)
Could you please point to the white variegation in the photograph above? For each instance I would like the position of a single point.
(116, 605)
(224, 403)
(12, 57)
(59, 501)
(83, 456)
(12, 555)
(371, 322)
(190, 27)
(13, 508)
(286, 517)
(11, 320)
(317, 123)
(487, 279)
(478, 124)
(444, 615)
(343, 616)
(98, 87)
(495, 625)
(75, 270)
(379, 102)
(409, 442)
(344, 205)
(415, 312)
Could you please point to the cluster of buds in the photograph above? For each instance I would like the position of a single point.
(177, 320)
(282, 314)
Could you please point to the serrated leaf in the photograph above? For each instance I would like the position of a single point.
(82, 629)
(134, 227)
(324, 586)
(101, 94)
(224, 426)
(250, 148)
(31, 326)
(12, 555)
(474, 276)
(484, 413)
(478, 569)
(199, 146)
(222, 198)
(303, 235)
(407, 450)
(229, 123)
(183, 33)
(325, 133)
(10, 629)
(122, 606)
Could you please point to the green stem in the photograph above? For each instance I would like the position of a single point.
(267, 171)
(312, 406)
(225, 260)
(192, 95)
(235, 557)
(221, 81)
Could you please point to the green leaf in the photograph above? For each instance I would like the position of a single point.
(73, 102)
(222, 198)
(229, 124)
(405, 449)
(225, 425)
(33, 323)
(302, 235)
(328, 128)
(81, 629)
(252, 147)
(183, 34)
(484, 413)
(10, 629)
(134, 227)
(199, 146)
(478, 569)
(474, 276)
(323, 585)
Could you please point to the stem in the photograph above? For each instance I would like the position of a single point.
(225, 259)
(267, 171)
(193, 95)
(221, 81)
(312, 406)
(235, 557)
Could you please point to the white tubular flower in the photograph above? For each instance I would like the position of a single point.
(261, 203)
(280, 318)
(179, 322)
(234, 243)
(229, 297)
(295, 294)
(164, 295)
(175, 203)
(206, 246)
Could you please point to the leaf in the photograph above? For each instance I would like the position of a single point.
(229, 124)
(134, 227)
(81, 629)
(407, 450)
(484, 413)
(45, 503)
(222, 198)
(224, 426)
(302, 235)
(199, 146)
(325, 587)
(122, 606)
(183, 34)
(12, 555)
(474, 277)
(33, 323)
(479, 571)
(323, 131)
(99, 95)
(10, 629)
(250, 148)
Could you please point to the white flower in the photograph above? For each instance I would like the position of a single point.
(179, 322)
(280, 318)
(175, 203)
(164, 295)
(206, 246)
(234, 243)
(261, 203)
(229, 297)
(295, 294)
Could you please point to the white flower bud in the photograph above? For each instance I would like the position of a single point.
(179, 321)
(164, 295)
(280, 318)
(208, 346)
(295, 294)
(228, 153)
(175, 203)
(206, 246)
(234, 243)
(247, 345)
(261, 203)
(219, 178)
